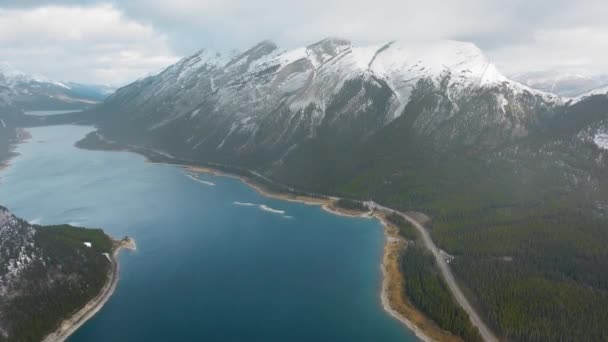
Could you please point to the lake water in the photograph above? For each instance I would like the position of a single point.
(206, 268)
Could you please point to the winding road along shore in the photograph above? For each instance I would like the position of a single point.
(70, 325)
(484, 330)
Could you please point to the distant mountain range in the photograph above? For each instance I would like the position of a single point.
(28, 92)
(563, 83)
(514, 178)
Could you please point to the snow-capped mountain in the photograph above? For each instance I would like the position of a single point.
(28, 92)
(568, 83)
(269, 101)
(433, 127)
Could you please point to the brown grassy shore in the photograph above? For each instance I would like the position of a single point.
(394, 298)
(70, 325)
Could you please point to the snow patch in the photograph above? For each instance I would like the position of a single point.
(363, 55)
(598, 91)
(502, 102)
(601, 141)
(35, 221)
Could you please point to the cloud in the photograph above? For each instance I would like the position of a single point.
(578, 48)
(86, 44)
(518, 34)
(243, 23)
(127, 39)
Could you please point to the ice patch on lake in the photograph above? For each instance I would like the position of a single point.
(244, 204)
(271, 210)
(601, 140)
(196, 179)
(265, 208)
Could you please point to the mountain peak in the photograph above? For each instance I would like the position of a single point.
(330, 43)
(266, 43)
(261, 49)
(326, 49)
(8, 70)
(12, 74)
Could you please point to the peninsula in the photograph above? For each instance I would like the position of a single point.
(53, 278)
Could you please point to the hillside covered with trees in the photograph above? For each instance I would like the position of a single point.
(47, 274)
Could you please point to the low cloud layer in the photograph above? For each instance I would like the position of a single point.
(85, 44)
(117, 41)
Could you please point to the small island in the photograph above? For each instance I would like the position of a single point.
(53, 278)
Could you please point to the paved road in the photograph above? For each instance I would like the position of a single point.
(485, 332)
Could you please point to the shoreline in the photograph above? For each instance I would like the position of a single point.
(22, 136)
(392, 298)
(68, 326)
(326, 204)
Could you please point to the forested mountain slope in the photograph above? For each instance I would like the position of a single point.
(47, 273)
(514, 179)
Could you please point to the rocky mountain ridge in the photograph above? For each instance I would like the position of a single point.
(28, 92)
(267, 101)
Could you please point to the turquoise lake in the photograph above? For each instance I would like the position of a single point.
(206, 268)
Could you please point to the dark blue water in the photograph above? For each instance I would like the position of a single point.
(206, 268)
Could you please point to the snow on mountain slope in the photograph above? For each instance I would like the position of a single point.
(601, 140)
(598, 91)
(30, 92)
(271, 97)
(403, 64)
(17, 250)
(14, 77)
(568, 83)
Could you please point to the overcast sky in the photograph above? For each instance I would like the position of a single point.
(114, 42)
